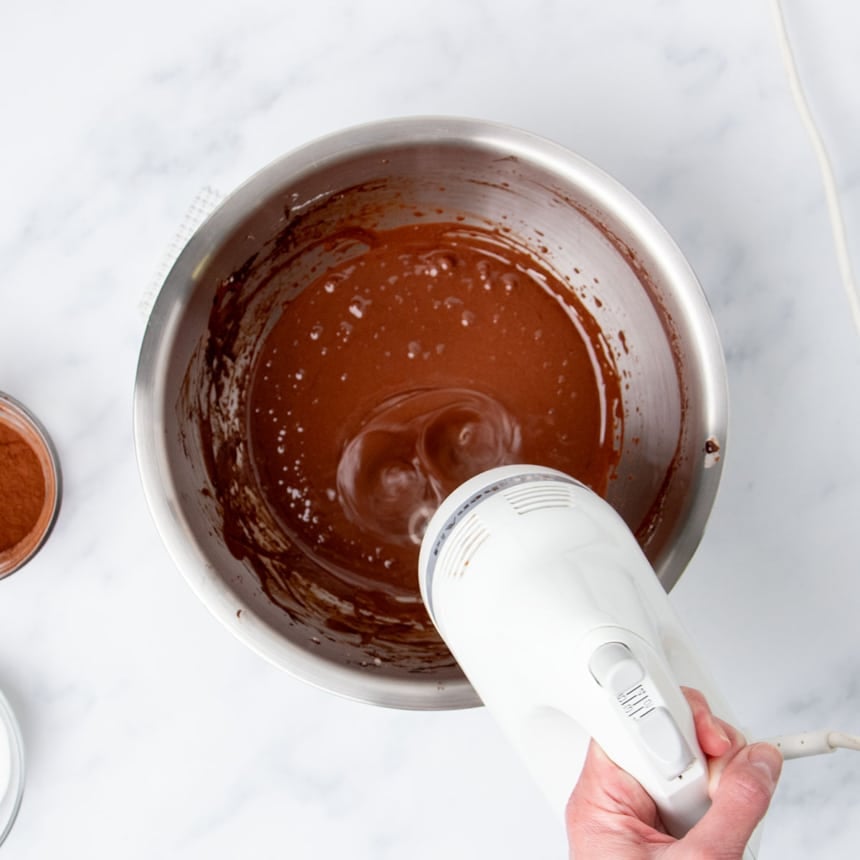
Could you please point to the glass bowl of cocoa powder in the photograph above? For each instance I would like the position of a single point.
(29, 485)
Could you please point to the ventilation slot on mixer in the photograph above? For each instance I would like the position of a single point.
(463, 547)
(526, 498)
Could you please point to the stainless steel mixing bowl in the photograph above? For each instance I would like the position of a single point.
(651, 310)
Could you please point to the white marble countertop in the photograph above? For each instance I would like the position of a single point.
(150, 731)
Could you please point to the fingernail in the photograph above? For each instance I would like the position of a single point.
(768, 759)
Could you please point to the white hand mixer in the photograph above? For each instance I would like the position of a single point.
(558, 620)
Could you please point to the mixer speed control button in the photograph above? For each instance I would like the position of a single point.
(663, 739)
(615, 668)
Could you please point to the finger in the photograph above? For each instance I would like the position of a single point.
(719, 740)
(717, 764)
(740, 802)
(716, 737)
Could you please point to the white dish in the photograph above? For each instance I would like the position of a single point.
(11, 768)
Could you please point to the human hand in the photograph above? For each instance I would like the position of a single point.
(610, 815)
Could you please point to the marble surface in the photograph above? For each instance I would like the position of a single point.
(150, 731)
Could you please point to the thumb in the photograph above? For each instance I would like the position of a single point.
(740, 801)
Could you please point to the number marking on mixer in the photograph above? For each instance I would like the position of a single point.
(636, 703)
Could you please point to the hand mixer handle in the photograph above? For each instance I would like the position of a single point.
(645, 725)
(661, 724)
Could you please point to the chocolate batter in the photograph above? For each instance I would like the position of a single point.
(431, 353)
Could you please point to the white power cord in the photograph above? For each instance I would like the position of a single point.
(814, 743)
(820, 742)
(828, 178)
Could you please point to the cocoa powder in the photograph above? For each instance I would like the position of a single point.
(22, 488)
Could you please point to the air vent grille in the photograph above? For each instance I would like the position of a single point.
(525, 498)
(471, 534)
